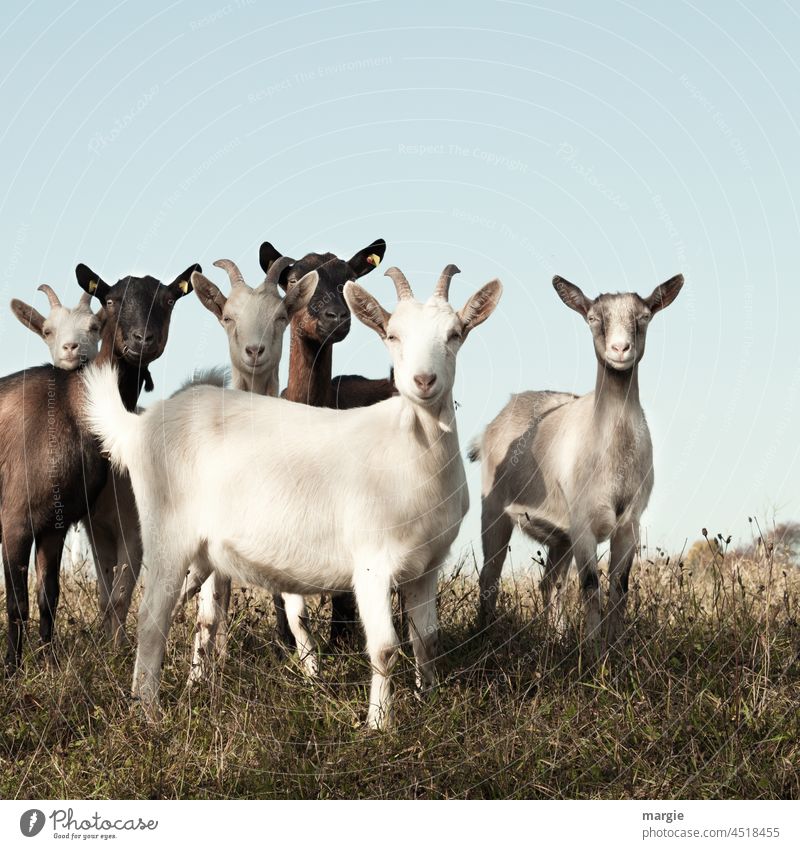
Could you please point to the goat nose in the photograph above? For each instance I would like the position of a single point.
(69, 347)
(254, 351)
(425, 381)
(620, 347)
(146, 338)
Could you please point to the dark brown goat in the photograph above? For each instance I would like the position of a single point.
(314, 332)
(51, 470)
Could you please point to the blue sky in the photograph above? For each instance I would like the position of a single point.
(615, 144)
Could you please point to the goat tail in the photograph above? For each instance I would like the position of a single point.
(106, 416)
(474, 450)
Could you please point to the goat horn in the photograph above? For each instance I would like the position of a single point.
(85, 300)
(233, 271)
(51, 295)
(400, 283)
(443, 286)
(276, 269)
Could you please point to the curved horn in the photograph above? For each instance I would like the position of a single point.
(233, 271)
(400, 283)
(85, 300)
(276, 269)
(51, 295)
(443, 286)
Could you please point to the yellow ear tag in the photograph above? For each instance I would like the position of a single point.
(374, 259)
(184, 286)
(92, 287)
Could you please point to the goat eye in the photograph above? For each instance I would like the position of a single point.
(109, 303)
(226, 319)
(643, 318)
(171, 302)
(390, 337)
(453, 336)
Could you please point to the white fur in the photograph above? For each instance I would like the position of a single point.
(71, 333)
(302, 499)
(255, 320)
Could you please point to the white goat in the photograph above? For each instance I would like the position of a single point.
(574, 471)
(71, 334)
(304, 499)
(112, 525)
(254, 321)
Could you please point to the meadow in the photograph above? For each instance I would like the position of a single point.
(699, 700)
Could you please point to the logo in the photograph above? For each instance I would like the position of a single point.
(31, 822)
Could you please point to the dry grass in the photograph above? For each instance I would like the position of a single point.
(700, 700)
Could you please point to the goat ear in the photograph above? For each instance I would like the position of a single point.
(366, 308)
(664, 294)
(480, 306)
(368, 258)
(31, 318)
(209, 294)
(300, 293)
(91, 282)
(267, 254)
(182, 284)
(571, 295)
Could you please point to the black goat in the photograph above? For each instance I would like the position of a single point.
(51, 469)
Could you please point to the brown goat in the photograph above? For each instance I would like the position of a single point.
(51, 470)
(314, 332)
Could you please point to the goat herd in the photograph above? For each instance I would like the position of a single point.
(345, 485)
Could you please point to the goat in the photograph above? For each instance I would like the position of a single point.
(574, 471)
(51, 469)
(72, 335)
(112, 525)
(314, 332)
(255, 321)
(384, 513)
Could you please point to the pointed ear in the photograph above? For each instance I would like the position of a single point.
(571, 295)
(91, 282)
(368, 258)
(267, 254)
(366, 308)
(31, 318)
(481, 305)
(300, 293)
(664, 294)
(182, 284)
(208, 293)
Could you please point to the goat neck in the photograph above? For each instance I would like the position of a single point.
(310, 370)
(130, 376)
(616, 394)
